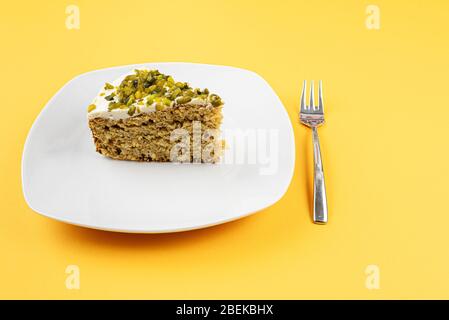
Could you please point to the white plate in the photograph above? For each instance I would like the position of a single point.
(65, 179)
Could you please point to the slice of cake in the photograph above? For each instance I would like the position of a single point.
(148, 116)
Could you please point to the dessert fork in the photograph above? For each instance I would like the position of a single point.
(312, 116)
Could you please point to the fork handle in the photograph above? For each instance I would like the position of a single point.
(319, 188)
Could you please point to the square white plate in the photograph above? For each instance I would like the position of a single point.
(65, 179)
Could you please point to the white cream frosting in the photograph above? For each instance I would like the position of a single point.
(102, 105)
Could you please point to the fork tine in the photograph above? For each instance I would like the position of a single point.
(312, 99)
(303, 96)
(320, 96)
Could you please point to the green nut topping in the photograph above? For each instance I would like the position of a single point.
(215, 100)
(183, 100)
(188, 93)
(166, 101)
(130, 100)
(114, 105)
(108, 86)
(154, 88)
(131, 110)
(110, 97)
(91, 107)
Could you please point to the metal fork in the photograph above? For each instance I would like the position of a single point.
(312, 116)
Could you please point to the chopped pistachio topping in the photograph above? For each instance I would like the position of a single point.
(154, 84)
(183, 100)
(91, 108)
(131, 110)
(110, 97)
(108, 86)
(215, 100)
(113, 105)
(148, 87)
(160, 107)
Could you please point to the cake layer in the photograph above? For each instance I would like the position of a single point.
(158, 136)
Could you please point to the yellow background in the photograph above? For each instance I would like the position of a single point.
(385, 149)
